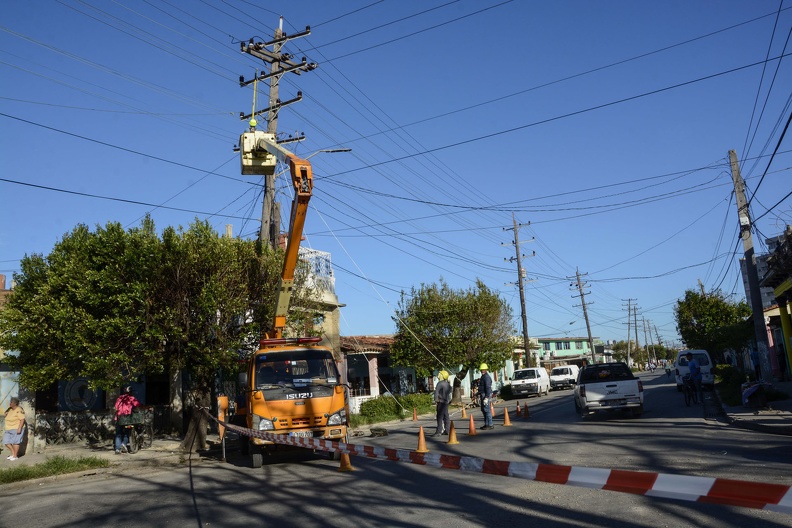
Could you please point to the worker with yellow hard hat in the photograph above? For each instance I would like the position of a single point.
(442, 397)
(485, 393)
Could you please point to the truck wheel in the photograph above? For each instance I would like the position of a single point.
(636, 413)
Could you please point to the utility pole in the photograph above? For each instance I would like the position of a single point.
(646, 340)
(583, 303)
(280, 63)
(629, 310)
(744, 217)
(521, 280)
(635, 320)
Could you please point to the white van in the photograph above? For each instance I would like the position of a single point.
(704, 361)
(563, 376)
(529, 381)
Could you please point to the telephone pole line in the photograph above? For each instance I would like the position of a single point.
(520, 277)
(582, 295)
(744, 217)
(280, 63)
(629, 313)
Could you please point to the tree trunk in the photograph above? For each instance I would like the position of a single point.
(195, 437)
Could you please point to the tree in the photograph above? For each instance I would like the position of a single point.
(111, 305)
(713, 323)
(437, 326)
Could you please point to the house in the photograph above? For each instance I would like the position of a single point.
(779, 322)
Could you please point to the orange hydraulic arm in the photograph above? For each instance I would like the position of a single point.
(260, 153)
(302, 180)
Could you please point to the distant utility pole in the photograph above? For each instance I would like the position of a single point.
(582, 295)
(521, 280)
(280, 63)
(635, 319)
(744, 216)
(648, 344)
(629, 313)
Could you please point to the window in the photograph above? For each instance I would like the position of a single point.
(566, 345)
(579, 345)
(559, 345)
(546, 345)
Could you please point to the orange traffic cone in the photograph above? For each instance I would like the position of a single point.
(518, 409)
(421, 442)
(526, 412)
(452, 439)
(472, 428)
(464, 413)
(346, 465)
(506, 420)
(415, 415)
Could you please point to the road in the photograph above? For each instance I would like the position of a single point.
(300, 489)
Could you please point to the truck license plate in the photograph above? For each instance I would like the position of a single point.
(302, 434)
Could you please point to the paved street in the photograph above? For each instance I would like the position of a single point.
(302, 489)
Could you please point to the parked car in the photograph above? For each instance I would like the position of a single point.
(530, 381)
(564, 376)
(608, 387)
(707, 370)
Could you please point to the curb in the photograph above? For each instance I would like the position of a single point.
(784, 430)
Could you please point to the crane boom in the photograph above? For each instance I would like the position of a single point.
(260, 150)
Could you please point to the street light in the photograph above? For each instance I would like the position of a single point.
(329, 151)
(271, 209)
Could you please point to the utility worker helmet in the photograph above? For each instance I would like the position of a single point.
(443, 375)
(483, 367)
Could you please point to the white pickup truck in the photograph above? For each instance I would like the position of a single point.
(608, 387)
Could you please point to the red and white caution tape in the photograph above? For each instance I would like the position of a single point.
(773, 497)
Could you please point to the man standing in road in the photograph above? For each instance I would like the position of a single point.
(485, 393)
(442, 397)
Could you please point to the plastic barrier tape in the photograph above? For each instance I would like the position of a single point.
(773, 497)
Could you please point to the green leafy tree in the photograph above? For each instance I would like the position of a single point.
(85, 310)
(111, 305)
(713, 323)
(438, 326)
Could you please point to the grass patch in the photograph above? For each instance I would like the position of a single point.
(57, 465)
(386, 408)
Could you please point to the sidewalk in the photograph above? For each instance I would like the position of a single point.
(163, 452)
(775, 419)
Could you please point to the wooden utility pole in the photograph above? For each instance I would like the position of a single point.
(521, 281)
(629, 312)
(582, 295)
(635, 320)
(744, 217)
(280, 63)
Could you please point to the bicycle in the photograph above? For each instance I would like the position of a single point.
(140, 428)
(689, 390)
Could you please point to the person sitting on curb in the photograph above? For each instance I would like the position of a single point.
(14, 428)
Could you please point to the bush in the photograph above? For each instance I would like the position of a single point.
(728, 383)
(387, 407)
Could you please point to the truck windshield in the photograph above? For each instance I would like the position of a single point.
(296, 368)
(559, 371)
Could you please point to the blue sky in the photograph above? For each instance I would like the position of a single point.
(605, 125)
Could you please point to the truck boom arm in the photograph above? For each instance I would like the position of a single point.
(302, 180)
